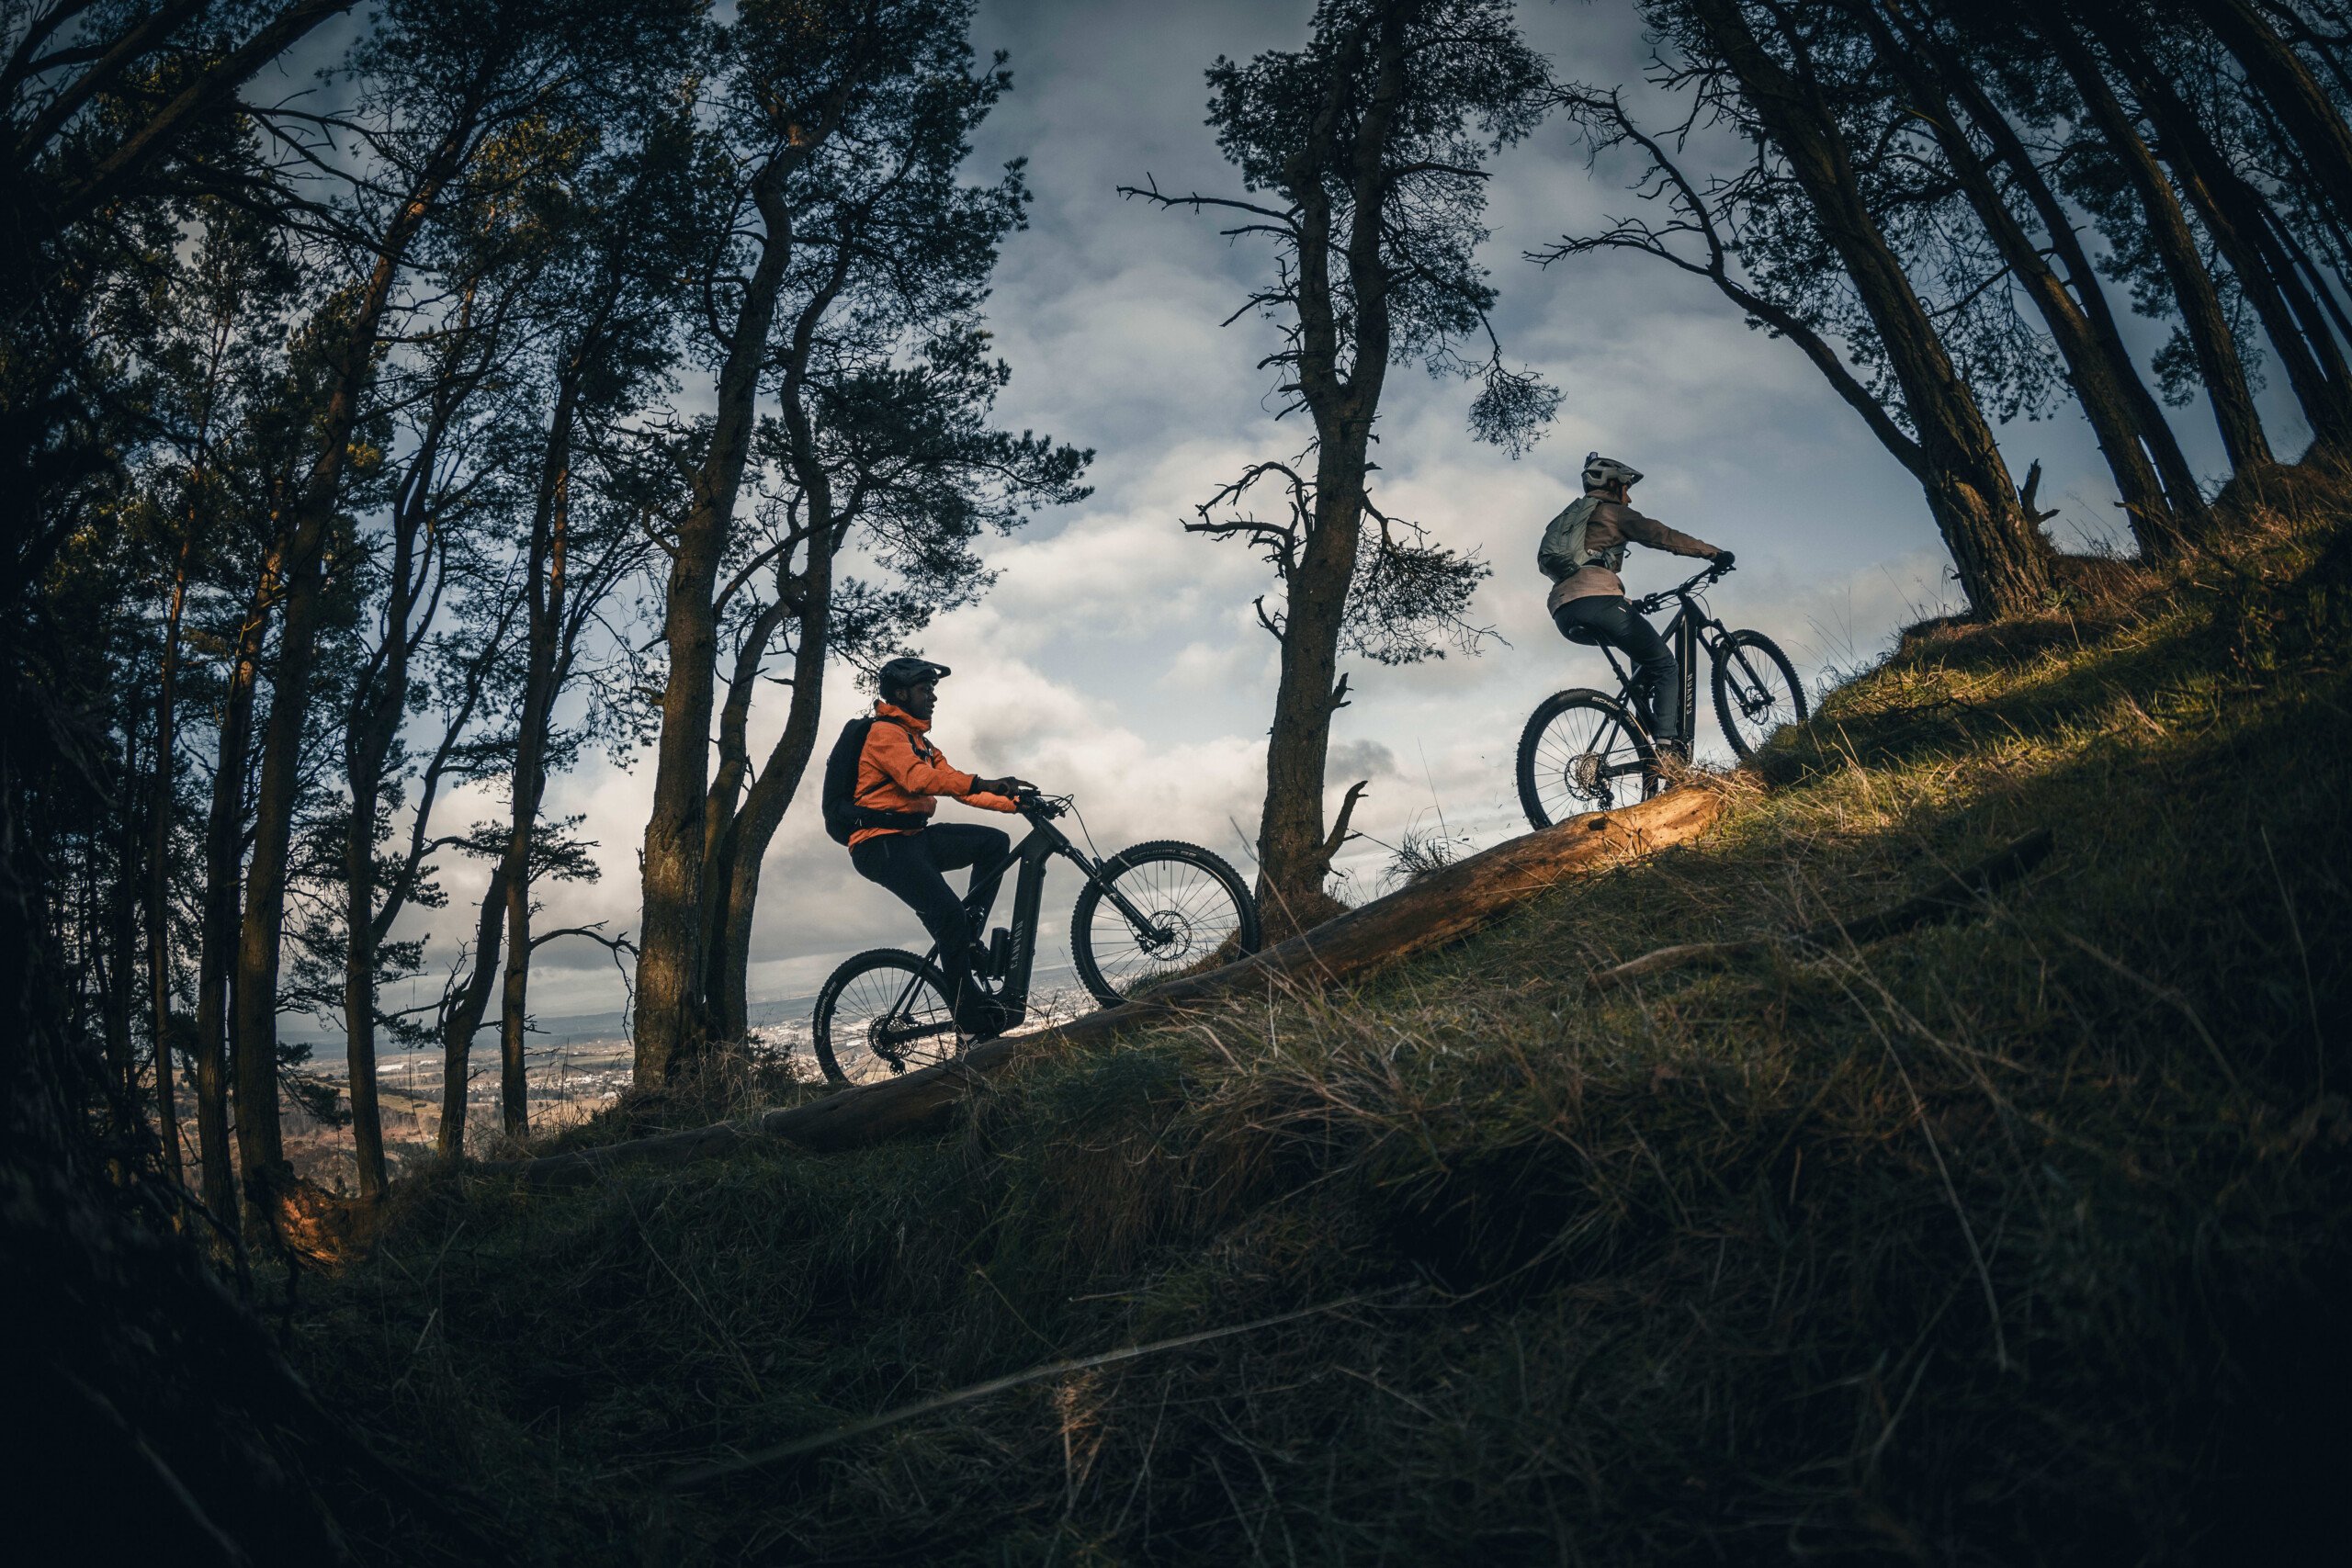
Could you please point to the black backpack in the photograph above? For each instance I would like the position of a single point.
(844, 816)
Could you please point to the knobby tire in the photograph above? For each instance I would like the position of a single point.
(1218, 916)
(841, 1044)
(1599, 729)
(1738, 650)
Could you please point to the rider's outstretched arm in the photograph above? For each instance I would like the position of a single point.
(893, 750)
(1658, 537)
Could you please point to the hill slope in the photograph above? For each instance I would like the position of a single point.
(2017, 1239)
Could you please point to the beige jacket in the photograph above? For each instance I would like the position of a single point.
(1613, 525)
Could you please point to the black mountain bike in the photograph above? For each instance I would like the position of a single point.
(1147, 913)
(1585, 750)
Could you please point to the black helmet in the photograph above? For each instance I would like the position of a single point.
(900, 674)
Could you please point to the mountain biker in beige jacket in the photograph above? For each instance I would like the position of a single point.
(1589, 604)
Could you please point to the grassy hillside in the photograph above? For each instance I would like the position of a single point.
(2020, 1238)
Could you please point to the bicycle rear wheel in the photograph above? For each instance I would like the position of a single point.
(1580, 753)
(1197, 911)
(881, 1013)
(1757, 690)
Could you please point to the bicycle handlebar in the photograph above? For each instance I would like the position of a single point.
(1045, 805)
(1653, 602)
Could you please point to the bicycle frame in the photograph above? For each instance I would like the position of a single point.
(1032, 855)
(1691, 630)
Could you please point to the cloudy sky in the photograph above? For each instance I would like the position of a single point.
(1118, 658)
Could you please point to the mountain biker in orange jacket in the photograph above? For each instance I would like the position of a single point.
(1589, 604)
(900, 771)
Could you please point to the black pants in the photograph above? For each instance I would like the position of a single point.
(913, 866)
(1658, 674)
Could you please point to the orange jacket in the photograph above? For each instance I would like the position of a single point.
(894, 775)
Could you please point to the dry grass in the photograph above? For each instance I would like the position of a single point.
(2017, 1239)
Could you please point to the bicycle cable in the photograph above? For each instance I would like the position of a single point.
(1084, 831)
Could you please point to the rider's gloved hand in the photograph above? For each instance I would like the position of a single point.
(1722, 560)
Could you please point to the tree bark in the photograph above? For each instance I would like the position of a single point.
(722, 821)
(671, 1020)
(161, 802)
(740, 840)
(224, 865)
(118, 990)
(380, 704)
(549, 583)
(753, 827)
(2003, 561)
(462, 1019)
(1294, 850)
(2202, 316)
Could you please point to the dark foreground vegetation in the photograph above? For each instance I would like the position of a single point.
(2017, 1239)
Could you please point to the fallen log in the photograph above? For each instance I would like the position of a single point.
(1961, 893)
(1439, 908)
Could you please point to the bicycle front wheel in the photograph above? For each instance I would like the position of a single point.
(1580, 753)
(1185, 910)
(880, 1014)
(1757, 690)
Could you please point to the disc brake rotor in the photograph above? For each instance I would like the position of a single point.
(1178, 942)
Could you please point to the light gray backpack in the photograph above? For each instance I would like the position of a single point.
(1563, 550)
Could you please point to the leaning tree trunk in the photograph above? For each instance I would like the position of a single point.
(2238, 218)
(2278, 73)
(2101, 381)
(745, 843)
(217, 938)
(159, 870)
(462, 1019)
(2141, 407)
(259, 946)
(671, 1020)
(2003, 561)
(2202, 316)
(550, 564)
